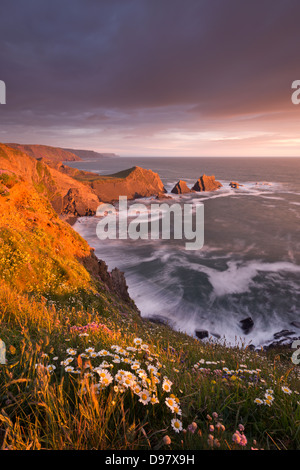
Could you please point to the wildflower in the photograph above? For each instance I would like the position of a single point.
(167, 385)
(170, 402)
(127, 382)
(210, 440)
(286, 390)
(90, 350)
(166, 440)
(192, 427)
(67, 361)
(154, 400)
(220, 427)
(135, 365)
(268, 402)
(103, 353)
(51, 367)
(144, 397)
(69, 369)
(176, 409)
(152, 369)
(269, 397)
(176, 425)
(71, 351)
(123, 352)
(236, 437)
(258, 401)
(88, 374)
(105, 377)
(138, 341)
(217, 443)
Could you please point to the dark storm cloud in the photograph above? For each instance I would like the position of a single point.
(70, 62)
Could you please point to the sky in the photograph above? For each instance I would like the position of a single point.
(152, 77)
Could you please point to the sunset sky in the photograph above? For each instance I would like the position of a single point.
(152, 77)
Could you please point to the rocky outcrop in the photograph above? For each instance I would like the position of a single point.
(181, 188)
(201, 334)
(247, 324)
(134, 183)
(282, 339)
(74, 203)
(234, 185)
(114, 280)
(206, 183)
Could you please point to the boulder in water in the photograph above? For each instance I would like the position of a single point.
(247, 324)
(201, 334)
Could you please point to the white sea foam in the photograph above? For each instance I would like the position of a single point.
(231, 270)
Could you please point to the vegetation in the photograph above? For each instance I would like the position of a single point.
(85, 371)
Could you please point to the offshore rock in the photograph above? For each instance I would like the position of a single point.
(201, 334)
(206, 183)
(181, 188)
(247, 325)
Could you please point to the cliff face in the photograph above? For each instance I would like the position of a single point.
(41, 254)
(54, 154)
(76, 193)
(66, 195)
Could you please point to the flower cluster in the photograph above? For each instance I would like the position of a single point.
(93, 326)
(243, 373)
(239, 437)
(269, 396)
(132, 368)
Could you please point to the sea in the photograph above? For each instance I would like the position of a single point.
(249, 265)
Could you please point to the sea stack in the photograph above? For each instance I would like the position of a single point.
(181, 188)
(206, 183)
